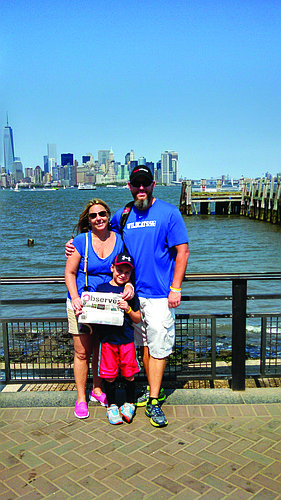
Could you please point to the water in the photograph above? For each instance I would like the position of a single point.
(217, 244)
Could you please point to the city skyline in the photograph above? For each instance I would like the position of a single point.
(201, 78)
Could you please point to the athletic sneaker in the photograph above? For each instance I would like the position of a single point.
(81, 410)
(142, 400)
(113, 415)
(127, 411)
(157, 416)
(99, 399)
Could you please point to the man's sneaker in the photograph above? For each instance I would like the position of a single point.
(157, 416)
(127, 411)
(81, 410)
(98, 399)
(142, 400)
(113, 415)
(162, 396)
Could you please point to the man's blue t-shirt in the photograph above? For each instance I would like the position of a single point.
(118, 334)
(98, 270)
(150, 236)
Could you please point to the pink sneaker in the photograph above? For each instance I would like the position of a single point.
(81, 410)
(99, 399)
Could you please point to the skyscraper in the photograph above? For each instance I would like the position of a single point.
(66, 159)
(142, 160)
(169, 167)
(9, 155)
(52, 157)
(46, 164)
(166, 167)
(103, 156)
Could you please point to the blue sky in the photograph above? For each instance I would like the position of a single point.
(198, 77)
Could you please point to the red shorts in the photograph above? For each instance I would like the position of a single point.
(112, 356)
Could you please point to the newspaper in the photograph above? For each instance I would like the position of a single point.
(101, 308)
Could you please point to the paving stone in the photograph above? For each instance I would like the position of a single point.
(170, 485)
(194, 484)
(207, 451)
(265, 494)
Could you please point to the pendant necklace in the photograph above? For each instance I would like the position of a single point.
(97, 247)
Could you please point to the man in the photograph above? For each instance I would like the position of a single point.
(157, 239)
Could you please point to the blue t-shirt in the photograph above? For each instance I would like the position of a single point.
(118, 334)
(150, 236)
(98, 270)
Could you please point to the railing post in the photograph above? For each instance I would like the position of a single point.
(263, 345)
(239, 307)
(213, 342)
(6, 352)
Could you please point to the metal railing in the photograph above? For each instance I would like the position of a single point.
(40, 349)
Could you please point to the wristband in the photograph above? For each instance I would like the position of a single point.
(129, 310)
(130, 284)
(177, 290)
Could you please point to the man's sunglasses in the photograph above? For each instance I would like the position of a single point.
(93, 215)
(137, 184)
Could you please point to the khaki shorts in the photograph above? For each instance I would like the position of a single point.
(157, 328)
(74, 327)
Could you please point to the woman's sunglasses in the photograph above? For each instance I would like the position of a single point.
(93, 215)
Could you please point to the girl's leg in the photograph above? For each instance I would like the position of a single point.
(97, 381)
(82, 351)
(129, 383)
(109, 386)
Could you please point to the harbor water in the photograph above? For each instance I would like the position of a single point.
(218, 244)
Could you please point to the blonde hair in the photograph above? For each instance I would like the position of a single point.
(83, 222)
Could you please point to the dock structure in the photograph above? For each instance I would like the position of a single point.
(256, 199)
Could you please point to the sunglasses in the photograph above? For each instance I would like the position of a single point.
(93, 215)
(137, 184)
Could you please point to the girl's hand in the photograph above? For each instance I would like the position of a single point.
(123, 305)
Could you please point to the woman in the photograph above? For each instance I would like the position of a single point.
(103, 245)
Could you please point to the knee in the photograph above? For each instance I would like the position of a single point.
(82, 355)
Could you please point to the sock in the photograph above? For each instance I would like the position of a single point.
(130, 390)
(109, 388)
(151, 399)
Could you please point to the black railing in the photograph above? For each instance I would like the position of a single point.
(40, 349)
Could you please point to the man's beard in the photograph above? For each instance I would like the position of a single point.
(143, 204)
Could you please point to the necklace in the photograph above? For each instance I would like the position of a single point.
(98, 247)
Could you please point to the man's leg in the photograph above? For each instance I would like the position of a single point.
(153, 406)
(145, 359)
(156, 368)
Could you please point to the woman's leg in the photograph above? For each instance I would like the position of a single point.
(83, 347)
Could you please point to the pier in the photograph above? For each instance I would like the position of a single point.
(256, 199)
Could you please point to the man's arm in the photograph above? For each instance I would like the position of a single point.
(69, 248)
(174, 298)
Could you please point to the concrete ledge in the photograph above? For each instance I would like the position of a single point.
(174, 397)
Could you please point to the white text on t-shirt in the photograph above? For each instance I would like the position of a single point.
(144, 223)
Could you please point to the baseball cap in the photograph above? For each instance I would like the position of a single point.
(123, 258)
(141, 170)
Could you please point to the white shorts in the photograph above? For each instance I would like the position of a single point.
(157, 328)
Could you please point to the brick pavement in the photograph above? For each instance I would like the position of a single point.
(208, 451)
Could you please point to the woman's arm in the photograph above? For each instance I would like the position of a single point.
(70, 273)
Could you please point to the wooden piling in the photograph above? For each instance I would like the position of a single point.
(277, 199)
(260, 200)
